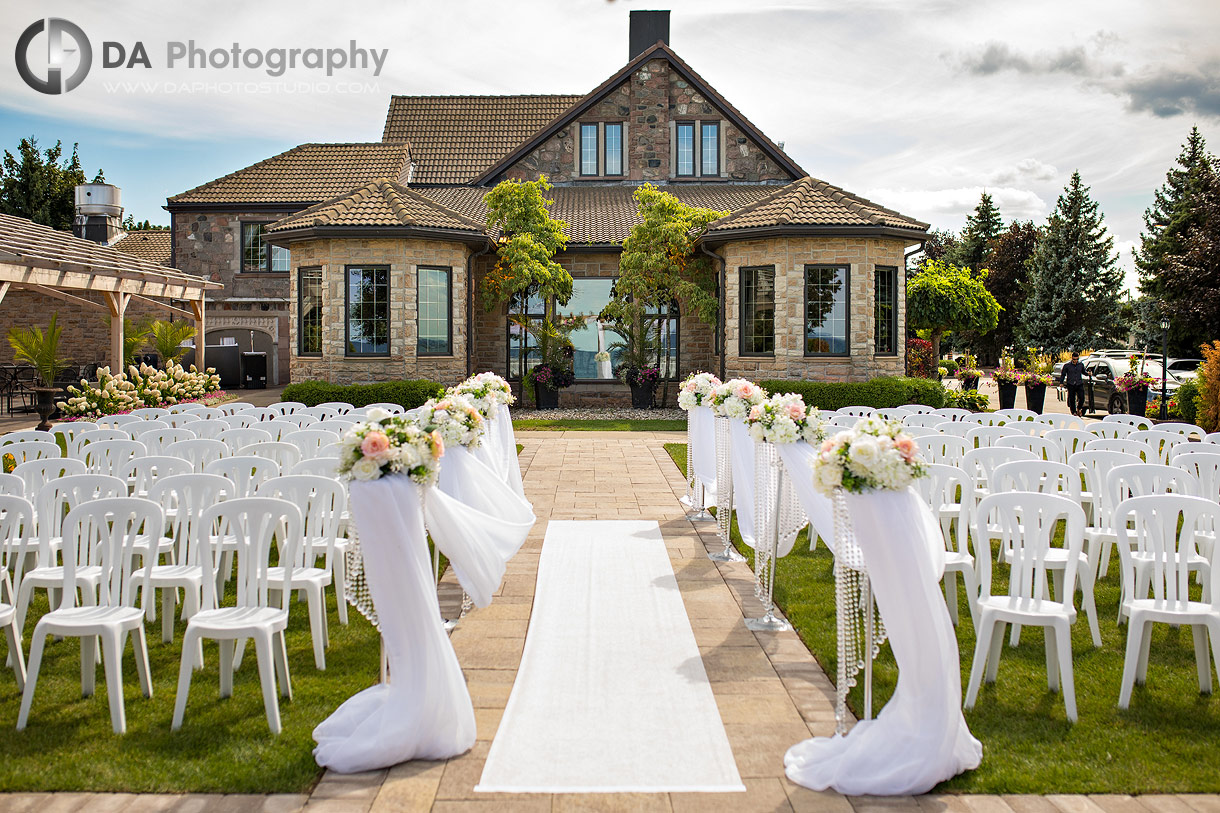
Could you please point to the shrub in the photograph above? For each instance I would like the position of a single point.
(139, 387)
(972, 400)
(950, 366)
(407, 394)
(920, 363)
(887, 391)
(1181, 403)
(1207, 402)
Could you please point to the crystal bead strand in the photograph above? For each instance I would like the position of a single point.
(357, 592)
(724, 494)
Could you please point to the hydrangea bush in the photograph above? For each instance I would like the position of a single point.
(390, 444)
(873, 455)
(785, 419)
(142, 386)
(697, 390)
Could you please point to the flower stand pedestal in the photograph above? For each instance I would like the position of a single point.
(1035, 397)
(545, 397)
(1008, 396)
(970, 383)
(1137, 401)
(642, 395)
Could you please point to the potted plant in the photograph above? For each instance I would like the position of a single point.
(643, 382)
(545, 381)
(41, 351)
(1135, 384)
(1035, 389)
(1007, 380)
(553, 344)
(968, 373)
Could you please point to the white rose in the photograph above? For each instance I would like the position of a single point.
(378, 414)
(829, 477)
(366, 469)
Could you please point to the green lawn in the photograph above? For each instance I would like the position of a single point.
(602, 425)
(223, 746)
(1167, 742)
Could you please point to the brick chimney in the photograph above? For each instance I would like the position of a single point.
(646, 28)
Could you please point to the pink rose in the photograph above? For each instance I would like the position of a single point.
(438, 443)
(375, 444)
(756, 412)
(906, 447)
(796, 412)
(744, 390)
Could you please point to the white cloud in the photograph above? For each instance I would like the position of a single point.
(939, 205)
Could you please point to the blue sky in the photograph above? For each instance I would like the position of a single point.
(917, 104)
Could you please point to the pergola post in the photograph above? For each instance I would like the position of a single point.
(117, 302)
(197, 308)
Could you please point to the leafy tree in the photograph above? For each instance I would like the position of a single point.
(1076, 299)
(529, 240)
(1191, 278)
(944, 297)
(131, 224)
(1175, 209)
(167, 338)
(982, 227)
(940, 244)
(1007, 261)
(39, 184)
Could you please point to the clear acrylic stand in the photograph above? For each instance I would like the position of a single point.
(724, 495)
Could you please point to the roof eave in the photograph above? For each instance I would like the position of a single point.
(286, 236)
(723, 236)
(237, 206)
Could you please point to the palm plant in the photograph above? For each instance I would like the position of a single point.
(135, 336)
(167, 339)
(40, 350)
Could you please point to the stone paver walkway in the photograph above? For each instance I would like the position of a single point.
(770, 691)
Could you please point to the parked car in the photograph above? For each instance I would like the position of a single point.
(1185, 368)
(1058, 371)
(1114, 353)
(1100, 373)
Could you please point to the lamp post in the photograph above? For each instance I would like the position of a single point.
(1164, 367)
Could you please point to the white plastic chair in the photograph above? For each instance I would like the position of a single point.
(1204, 464)
(1161, 442)
(1095, 465)
(918, 432)
(955, 428)
(284, 454)
(237, 438)
(953, 413)
(1212, 437)
(322, 501)
(983, 436)
(1026, 524)
(925, 420)
(261, 414)
(890, 413)
(340, 407)
(245, 472)
(196, 408)
(71, 433)
(1060, 421)
(155, 440)
(1140, 480)
(26, 450)
(398, 409)
(113, 457)
(234, 407)
(11, 485)
(240, 420)
(209, 428)
(320, 466)
(843, 420)
(16, 524)
(96, 436)
(207, 413)
(310, 441)
(323, 411)
(134, 430)
(146, 471)
(978, 464)
(949, 450)
(150, 413)
(1135, 421)
(285, 407)
(182, 419)
(944, 489)
(184, 407)
(301, 420)
(279, 429)
(1042, 447)
(199, 452)
(117, 421)
(1110, 429)
(1070, 441)
(35, 474)
(100, 535)
(336, 425)
(916, 409)
(252, 521)
(1124, 445)
(1015, 414)
(22, 435)
(184, 497)
(1187, 429)
(1163, 537)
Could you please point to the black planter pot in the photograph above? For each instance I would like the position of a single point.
(1035, 397)
(971, 383)
(1008, 395)
(641, 395)
(545, 397)
(45, 406)
(1137, 401)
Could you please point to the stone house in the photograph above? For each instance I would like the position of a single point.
(362, 262)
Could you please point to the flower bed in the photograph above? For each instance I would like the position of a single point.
(140, 387)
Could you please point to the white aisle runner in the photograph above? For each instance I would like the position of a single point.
(611, 695)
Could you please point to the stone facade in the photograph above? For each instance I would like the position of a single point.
(209, 244)
(789, 255)
(649, 104)
(86, 331)
(403, 256)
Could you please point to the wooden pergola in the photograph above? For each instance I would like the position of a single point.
(57, 264)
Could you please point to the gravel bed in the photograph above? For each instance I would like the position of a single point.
(599, 414)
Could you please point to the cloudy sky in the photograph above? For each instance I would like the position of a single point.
(917, 104)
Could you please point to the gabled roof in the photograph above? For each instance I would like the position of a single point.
(455, 138)
(603, 215)
(303, 175)
(381, 206)
(154, 245)
(810, 204)
(660, 50)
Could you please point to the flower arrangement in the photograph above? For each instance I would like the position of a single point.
(551, 376)
(696, 390)
(390, 444)
(639, 376)
(144, 386)
(785, 419)
(735, 397)
(873, 455)
(485, 392)
(1007, 375)
(454, 419)
(1037, 379)
(1134, 379)
(967, 368)
(601, 355)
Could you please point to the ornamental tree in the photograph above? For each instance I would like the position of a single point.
(982, 227)
(944, 297)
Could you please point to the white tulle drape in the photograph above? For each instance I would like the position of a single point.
(703, 450)
(741, 451)
(500, 441)
(920, 737)
(798, 463)
(425, 711)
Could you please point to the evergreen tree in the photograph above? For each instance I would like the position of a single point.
(981, 228)
(1191, 279)
(39, 184)
(940, 244)
(1077, 285)
(1007, 261)
(1175, 210)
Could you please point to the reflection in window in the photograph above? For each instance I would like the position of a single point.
(520, 359)
(434, 312)
(588, 149)
(709, 149)
(665, 326)
(614, 149)
(368, 311)
(309, 312)
(256, 255)
(825, 309)
(758, 310)
(686, 149)
(885, 338)
(589, 296)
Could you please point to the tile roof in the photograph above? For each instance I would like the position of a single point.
(455, 138)
(604, 215)
(154, 245)
(813, 203)
(379, 205)
(310, 173)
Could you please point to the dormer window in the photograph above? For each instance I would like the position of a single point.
(709, 148)
(686, 149)
(588, 149)
(614, 149)
(600, 152)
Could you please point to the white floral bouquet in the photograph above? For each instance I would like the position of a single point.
(390, 444)
(456, 420)
(736, 397)
(485, 392)
(873, 455)
(785, 419)
(601, 355)
(697, 390)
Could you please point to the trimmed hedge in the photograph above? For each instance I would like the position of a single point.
(886, 391)
(407, 394)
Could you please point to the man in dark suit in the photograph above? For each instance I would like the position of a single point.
(1072, 377)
